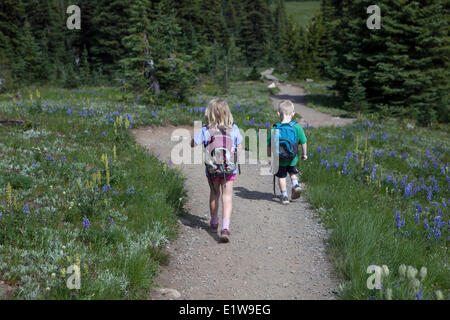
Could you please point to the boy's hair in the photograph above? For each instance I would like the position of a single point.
(285, 108)
(218, 114)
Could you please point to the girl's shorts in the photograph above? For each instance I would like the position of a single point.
(231, 177)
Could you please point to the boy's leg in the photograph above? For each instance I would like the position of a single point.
(296, 191)
(282, 174)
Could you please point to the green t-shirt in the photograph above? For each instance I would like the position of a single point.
(301, 139)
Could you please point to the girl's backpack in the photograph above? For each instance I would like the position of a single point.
(287, 146)
(220, 154)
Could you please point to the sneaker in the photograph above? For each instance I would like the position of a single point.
(296, 191)
(214, 228)
(284, 200)
(225, 236)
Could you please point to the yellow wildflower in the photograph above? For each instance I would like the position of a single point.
(9, 193)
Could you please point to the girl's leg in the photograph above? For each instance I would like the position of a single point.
(227, 203)
(214, 203)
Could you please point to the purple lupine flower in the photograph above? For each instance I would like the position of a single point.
(374, 171)
(398, 222)
(426, 225)
(111, 221)
(33, 163)
(106, 188)
(437, 221)
(104, 134)
(404, 156)
(429, 194)
(63, 158)
(419, 208)
(1, 215)
(419, 295)
(26, 209)
(86, 223)
(131, 190)
(417, 218)
(393, 153)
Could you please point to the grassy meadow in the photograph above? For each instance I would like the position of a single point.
(383, 188)
(302, 11)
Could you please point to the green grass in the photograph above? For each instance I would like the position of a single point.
(361, 209)
(302, 11)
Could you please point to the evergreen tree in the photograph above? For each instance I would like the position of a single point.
(28, 66)
(403, 66)
(254, 38)
(111, 22)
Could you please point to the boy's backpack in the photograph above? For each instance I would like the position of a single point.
(287, 147)
(220, 156)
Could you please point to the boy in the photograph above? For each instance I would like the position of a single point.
(286, 112)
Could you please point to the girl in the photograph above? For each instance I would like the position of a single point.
(219, 119)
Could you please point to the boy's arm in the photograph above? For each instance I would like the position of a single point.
(305, 151)
(302, 140)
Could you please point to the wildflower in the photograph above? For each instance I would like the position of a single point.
(26, 209)
(411, 273)
(417, 218)
(439, 295)
(86, 223)
(426, 225)
(402, 271)
(106, 188)
(1, 215)
(423, 273)
(419, 295)
(111, 221)
(398, 223)
(131, 190)
(437, 221)
(419, 208)
(9, 193)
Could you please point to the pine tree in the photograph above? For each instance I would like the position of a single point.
(254, 38)
(111, 23)
(27, 67)
(153, 63)
(403, 66)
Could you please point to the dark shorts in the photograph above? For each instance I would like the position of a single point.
(282, 171)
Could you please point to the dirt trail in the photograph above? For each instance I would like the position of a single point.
(297, 95)
(276, 252)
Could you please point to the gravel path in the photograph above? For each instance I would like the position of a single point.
(297, 95)
(276, 252)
